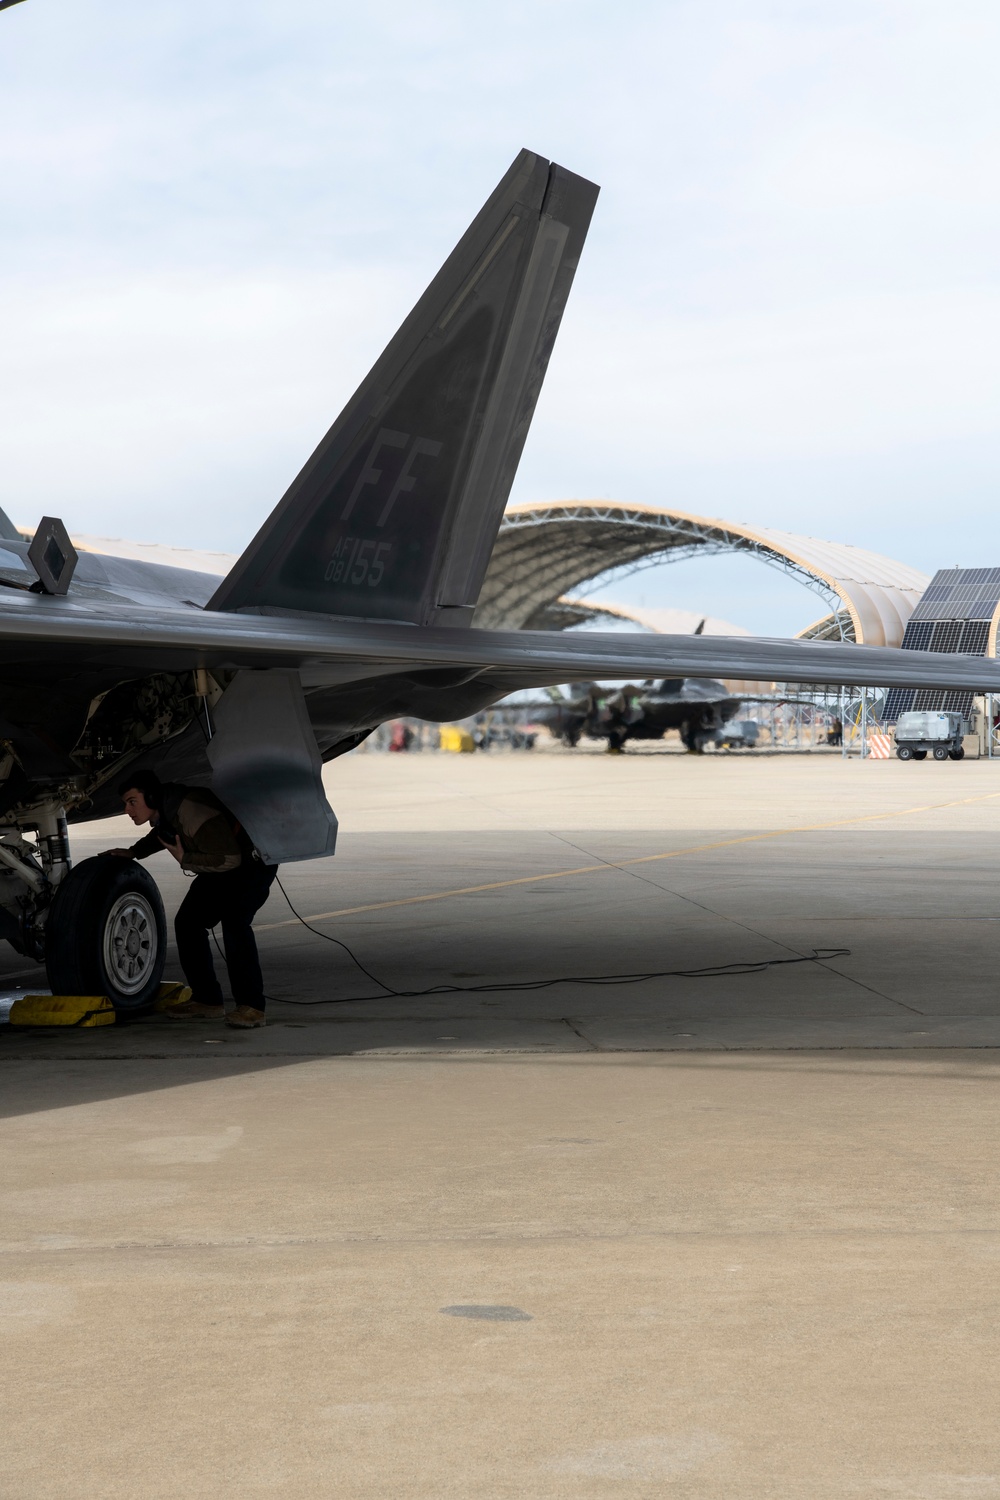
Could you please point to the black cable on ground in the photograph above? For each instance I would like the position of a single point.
(712, 971)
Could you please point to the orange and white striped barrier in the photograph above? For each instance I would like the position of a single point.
(879, 745)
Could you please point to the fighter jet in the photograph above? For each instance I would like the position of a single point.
(698, 707)
(351, 606)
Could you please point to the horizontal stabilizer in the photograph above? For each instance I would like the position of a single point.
(395, 515)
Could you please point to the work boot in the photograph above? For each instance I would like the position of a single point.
(194, 1010)
(246, 1016)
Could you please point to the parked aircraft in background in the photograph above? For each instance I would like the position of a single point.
(698, 707)
(351, 606)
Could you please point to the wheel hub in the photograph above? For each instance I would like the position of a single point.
(130, 942)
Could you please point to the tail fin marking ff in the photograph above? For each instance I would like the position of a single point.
(395, 515)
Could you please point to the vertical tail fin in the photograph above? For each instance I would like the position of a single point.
(395, 515)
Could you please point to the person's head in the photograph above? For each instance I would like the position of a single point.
(142, 795)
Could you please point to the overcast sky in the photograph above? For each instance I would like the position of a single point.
(788, 310)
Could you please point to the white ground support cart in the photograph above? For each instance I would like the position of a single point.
(940, 733)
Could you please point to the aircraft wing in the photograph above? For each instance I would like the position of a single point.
(38, 630)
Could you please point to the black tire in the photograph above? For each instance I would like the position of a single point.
(107, 933)
(903, 752)
(940, 752)
(920, 755)
(958, 754)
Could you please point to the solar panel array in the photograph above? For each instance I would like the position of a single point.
(953, 616)
(960, 594)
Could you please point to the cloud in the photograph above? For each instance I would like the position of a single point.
(184, 403)
(789, 297)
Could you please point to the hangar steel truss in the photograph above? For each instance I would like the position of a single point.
(543, 551)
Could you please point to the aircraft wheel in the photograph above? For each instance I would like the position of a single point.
(940, 752)
(920, 755)
(107, 933)
(904, 752)
(958, 754)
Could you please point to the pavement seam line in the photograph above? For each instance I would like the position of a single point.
(684, 896)
(594, 1046)
(623, 864)
(389, 1241)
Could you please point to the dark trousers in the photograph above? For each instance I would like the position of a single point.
(231, 899)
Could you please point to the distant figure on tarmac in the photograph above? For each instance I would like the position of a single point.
(231, 885)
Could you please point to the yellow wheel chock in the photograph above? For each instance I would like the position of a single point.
(83, 1010)
(62, 1010)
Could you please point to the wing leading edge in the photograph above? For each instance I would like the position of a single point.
(174, 640)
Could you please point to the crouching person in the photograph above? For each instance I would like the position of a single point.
(231, 885)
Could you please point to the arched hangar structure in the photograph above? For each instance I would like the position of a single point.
(542, 551)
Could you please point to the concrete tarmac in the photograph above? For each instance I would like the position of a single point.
(720, 1236)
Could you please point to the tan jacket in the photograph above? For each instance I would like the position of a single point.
(212, 840)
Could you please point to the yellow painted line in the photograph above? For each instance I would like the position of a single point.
(623, 864)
